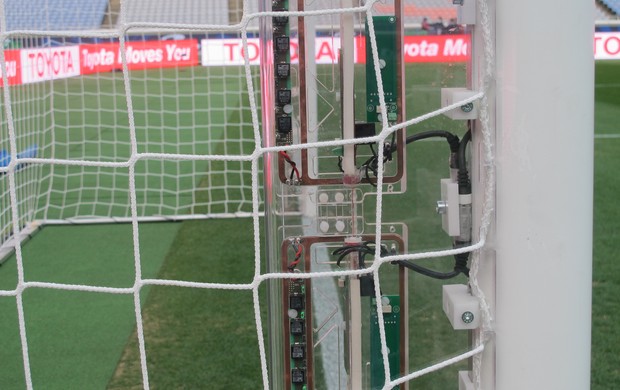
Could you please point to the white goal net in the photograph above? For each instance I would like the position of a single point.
(77, 99)
(141, 110)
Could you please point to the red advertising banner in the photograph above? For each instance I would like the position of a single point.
(39, 64)
(13, 68)
(437, 48)
(427, 48)
(140, 55)
(97, 58)
(161, 54)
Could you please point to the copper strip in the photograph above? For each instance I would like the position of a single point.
(306, 243)
(306, 179)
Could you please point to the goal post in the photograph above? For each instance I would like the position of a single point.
(536, 271)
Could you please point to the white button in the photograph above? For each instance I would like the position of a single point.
(340, 226)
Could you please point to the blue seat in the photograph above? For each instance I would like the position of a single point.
(49, 15)
(613, 5)
(5, 158)
(30, 152)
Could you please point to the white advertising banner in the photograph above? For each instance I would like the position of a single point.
(230, 51)
(607, 46)
(50, 63)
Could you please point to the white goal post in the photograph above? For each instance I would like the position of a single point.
(164, 110)
(537, 270)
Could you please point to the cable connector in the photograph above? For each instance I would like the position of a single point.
(448, 208)
(449, 96)
(461, 307)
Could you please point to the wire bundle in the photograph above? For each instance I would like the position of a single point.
(294, 171)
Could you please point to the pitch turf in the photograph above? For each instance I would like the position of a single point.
(203, 338)
(606, 272)
(75, 338)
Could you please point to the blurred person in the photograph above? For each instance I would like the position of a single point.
(453, 28)
(438, 26)
(426, 26)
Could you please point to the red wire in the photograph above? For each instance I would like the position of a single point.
(296, 172)
(288, 159)
(297, 260)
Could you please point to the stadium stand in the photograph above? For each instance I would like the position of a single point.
(49, 15)
(420, 9)
(602, 13)
(415, 10)
(612, 5)
(177, 11)
(227, 11)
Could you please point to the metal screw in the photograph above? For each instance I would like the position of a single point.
(468, 317)
(467, 107)
(442, 207)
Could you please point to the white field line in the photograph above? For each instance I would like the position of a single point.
(607, 85)
(596, 136)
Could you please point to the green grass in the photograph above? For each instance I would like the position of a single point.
(606, 272)
(607, 97)
(198, 338)
(75, 338)
(606, 279)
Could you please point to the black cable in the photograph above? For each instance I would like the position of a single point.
(464, 184)
(372, 149)
(460, 267)
(367, 247)
(389, 149)
(372, 164)
(458, 159)
(453, 142)
(426, 271)
(460, 263)
(463, 173)
(462, 148)
(452, 139)
(362, 249)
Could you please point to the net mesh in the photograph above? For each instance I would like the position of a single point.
(116, 146)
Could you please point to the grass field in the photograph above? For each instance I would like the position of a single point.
(606, 277)
(206, 339)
